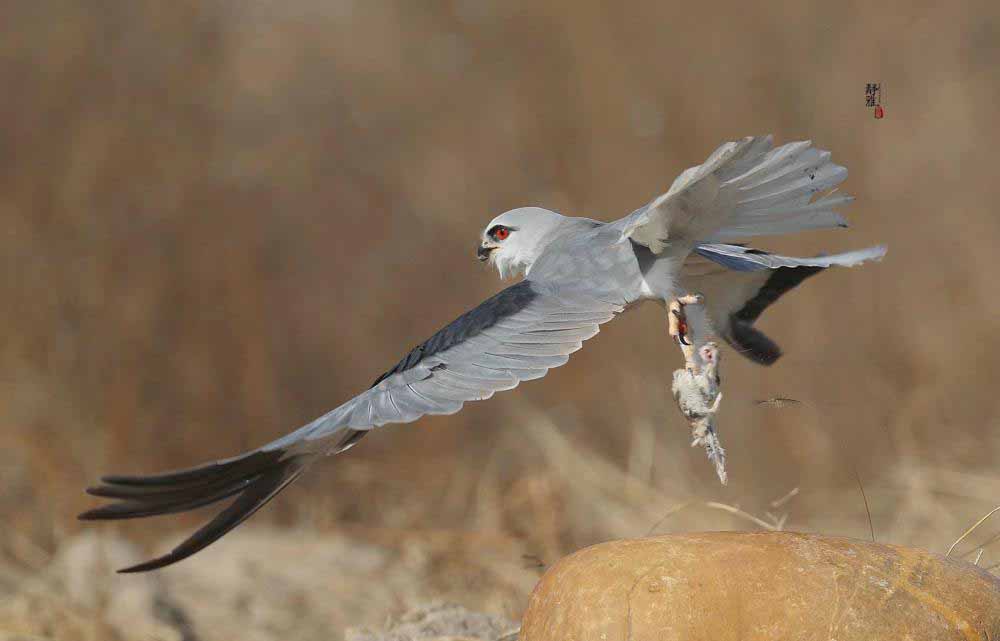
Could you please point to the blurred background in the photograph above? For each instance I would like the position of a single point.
(220, 219)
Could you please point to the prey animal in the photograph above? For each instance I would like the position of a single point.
(697, 385)
(577, 274)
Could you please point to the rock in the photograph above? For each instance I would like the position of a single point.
(761, 586)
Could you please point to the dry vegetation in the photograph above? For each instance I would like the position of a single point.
(219, 219)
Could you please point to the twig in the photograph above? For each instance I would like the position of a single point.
(785, 499)
(979, 556)
(971, 529)
(985, 544)
(864, 496)
(746, 515)
(779, 521)
(674, 510)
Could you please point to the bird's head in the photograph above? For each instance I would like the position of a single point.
(514, 239)
(709, 352)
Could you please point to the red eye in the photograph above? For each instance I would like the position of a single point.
(501, 233)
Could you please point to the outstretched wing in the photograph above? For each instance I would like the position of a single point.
(515, 336)
(518, 334)
(743, 189)
(739, 283)
(697, 202)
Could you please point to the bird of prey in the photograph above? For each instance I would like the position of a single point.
(577, 274)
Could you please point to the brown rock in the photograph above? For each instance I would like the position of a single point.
(722, 586)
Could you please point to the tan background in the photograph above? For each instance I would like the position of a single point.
(221, 219)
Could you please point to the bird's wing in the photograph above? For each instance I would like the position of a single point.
(517, 335)
(739, 283)
(743, 189)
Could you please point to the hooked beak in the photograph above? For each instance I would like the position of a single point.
(483, 252)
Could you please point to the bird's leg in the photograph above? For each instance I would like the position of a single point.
(681, 330)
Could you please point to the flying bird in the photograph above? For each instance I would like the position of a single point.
(577, 274)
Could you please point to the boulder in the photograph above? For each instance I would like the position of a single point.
(729, 586)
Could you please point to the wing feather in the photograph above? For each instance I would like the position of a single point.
(517, 335)
(740, 283)
(743, 189)
(696, 204)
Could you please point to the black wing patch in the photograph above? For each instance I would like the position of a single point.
(254, 478)
(742, 335)
(503, 305)
(782, 280)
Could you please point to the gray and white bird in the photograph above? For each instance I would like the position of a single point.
(578, 273)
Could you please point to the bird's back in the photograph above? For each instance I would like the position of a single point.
(591, 257)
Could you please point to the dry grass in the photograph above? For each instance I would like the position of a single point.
(220, 219)
(315, 580)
